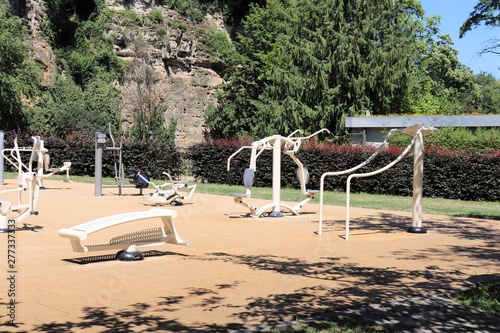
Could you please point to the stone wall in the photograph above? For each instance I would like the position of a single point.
(184, 75)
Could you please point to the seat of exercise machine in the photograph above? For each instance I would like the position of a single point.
(138, 181)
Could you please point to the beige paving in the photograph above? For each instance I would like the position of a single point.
(238, 272)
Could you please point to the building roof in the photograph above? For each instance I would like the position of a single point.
(436, 121)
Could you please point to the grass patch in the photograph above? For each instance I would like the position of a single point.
(484, 298)
(448, 207)
(477, 209)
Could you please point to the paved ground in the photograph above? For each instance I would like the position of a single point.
(241, 273)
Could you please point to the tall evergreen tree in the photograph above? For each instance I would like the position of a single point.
(237, 113)
(338, 57)
(321, 60)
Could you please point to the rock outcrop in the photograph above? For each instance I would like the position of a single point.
(184, 76)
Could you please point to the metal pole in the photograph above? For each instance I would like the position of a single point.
(276, 177)
(1, 157)
(99, 146)
(418, 175)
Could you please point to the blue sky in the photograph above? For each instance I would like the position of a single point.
(453, 14)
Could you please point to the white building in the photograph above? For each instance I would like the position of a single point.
(372, 130)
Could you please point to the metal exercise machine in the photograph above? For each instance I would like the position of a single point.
(291, 146)
(418, 132)
(170, 192)
(119, 168)
(28, 186)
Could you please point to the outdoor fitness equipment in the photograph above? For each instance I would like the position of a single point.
(173, 196)
(119, 168)
(418, 132)
(128, 243)
(43, 165)
(27, 183)
(274, 143)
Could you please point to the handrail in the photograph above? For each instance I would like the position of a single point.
(372, 173)
(234, 154)
(343, 172)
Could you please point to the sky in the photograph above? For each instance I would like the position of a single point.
(453, 14)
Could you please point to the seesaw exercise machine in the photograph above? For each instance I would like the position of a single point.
(172, 195)
(291, 146)
(28, 184)
(129, 243)
(119, 169)
(418, 132)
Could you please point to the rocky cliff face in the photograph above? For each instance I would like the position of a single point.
(184, 75)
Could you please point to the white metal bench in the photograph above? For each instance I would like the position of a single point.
(128, 242)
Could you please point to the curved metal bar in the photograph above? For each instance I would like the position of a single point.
(343, 172)
(234, 154)
(372, 173)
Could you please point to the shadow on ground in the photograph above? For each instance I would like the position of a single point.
(358, 285)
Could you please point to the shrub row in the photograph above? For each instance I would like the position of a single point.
(447, 174)
(153, 158)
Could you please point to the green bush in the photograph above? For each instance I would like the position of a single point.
(130, 17)
(151, 157)
(65, 108)
(155, 16)
(447, 174)
(457, 139)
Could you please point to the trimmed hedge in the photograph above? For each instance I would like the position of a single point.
(447, 174)
(153, 158)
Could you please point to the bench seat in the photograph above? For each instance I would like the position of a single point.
(146, 237)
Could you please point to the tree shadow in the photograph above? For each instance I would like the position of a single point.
(356, 285)
(460, 227)
(140, 317)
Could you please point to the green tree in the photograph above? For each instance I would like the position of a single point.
(237, 114)
(490, 93)
(83, 96)
(439, 82)
(66, 108)
(337, 58)
(60, 110)
(19, 75)
(306, 64)
(486, 12)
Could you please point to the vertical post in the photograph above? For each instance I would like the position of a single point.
(4, 220)
(418, 175)
(1, 157)
(276, 177)
(40, 163)
(100, 143)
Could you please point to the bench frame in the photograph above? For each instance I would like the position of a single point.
(129, 242)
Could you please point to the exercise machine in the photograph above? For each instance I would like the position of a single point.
(291, 145)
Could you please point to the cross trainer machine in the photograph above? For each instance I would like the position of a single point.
(122, 181)
(291, 146)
